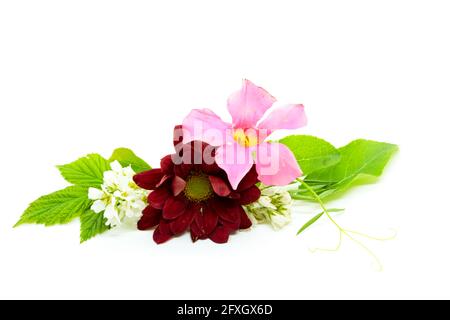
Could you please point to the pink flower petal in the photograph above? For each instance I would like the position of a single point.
(235, 160)
(291, 116)
(248, 105)
(276, 165)
(206, 126)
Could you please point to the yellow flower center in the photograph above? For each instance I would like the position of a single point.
(198, 188)
(246, 138)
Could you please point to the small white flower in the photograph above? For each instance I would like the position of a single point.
(98, 205)
(119, 198)
(273, 207)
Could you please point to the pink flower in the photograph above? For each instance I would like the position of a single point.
(242, 143)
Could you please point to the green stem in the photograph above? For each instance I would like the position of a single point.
(319, 201)
(341, 230)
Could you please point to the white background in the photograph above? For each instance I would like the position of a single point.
(88, 76)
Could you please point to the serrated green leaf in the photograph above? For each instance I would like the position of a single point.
(86, 171)
(360, 157)
(58, 207)
(126, 157)
(315, 218)
(312, 153)
(91, 225)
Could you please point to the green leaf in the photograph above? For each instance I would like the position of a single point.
(310, 222)
(92, 224)
(126, 157)
(315, 218)
(360, 157)
(312, 153)
(86, 171)
(57, 208)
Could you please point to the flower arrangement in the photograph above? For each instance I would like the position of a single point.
(221, 178)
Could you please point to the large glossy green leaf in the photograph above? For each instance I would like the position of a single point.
(312, 153)
(360, 157)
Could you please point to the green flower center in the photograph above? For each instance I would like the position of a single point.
(198, 188)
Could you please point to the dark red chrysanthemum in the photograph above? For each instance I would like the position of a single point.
(190, 194)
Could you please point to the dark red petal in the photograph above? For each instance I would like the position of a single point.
(219, 186)
(150, 218)
(210, 219)
(245, 221)
(180, 224)
(227, 209)
(183, 170)
(231, 225)
(158, 197)
(196, 233)
(177, 135)
(249, 195)
(167, 164)
(220, 235)
(165, 227)
(210, 168)
(199, 223)
(234, 195)
(165, 178)
(148, 179)
(178, 185)
(162, 233)
(250, 179)
(193, 152)
(173, 208)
